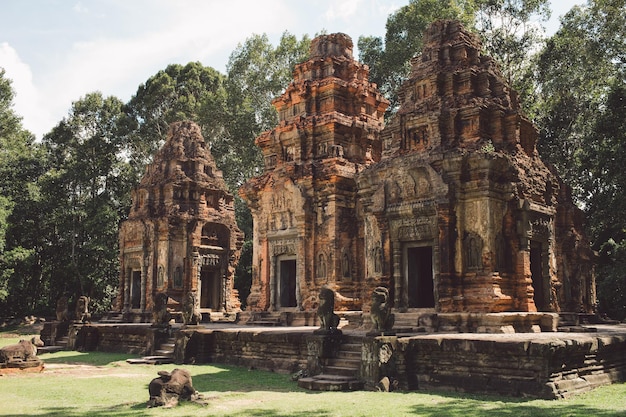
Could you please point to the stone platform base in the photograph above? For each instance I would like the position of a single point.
(21, 367)
(540, 365)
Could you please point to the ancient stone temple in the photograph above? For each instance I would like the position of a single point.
(461, 214)
(449, 206)
(303, 206)
(181, 235)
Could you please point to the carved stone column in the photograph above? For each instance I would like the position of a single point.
(401, 298)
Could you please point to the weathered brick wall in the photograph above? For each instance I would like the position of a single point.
(543, 367)
(271, 351)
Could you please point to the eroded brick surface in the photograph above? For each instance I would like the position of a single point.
(449, 205)
(181, 233)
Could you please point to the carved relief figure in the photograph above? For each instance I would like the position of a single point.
(160, 276)
(178, 277)
(321, 266)
(473, 251)
(345, 265)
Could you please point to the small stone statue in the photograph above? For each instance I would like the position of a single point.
(160, 316)
(326, 312)
(62, 310)
(380, 313)
(170, 387)
(81, 311)
(191, 310)
(22, 354)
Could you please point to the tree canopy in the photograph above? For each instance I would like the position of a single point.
(510, 30)
(581, 109)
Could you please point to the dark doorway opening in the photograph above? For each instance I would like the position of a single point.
(287, 283)
(210, 289)
(420, 277)
(135, 290)
(536, 272)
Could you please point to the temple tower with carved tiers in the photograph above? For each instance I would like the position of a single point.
(461, 214)
(303, 205)
(181, 233)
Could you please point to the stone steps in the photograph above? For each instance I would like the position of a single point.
(163, 355)
(341, 372)
(265, 319)
(326, 382)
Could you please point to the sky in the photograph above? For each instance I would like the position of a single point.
(57, 51)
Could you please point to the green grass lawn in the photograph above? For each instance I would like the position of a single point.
(103, 384)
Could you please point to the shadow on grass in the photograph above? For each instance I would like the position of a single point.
(86, 358)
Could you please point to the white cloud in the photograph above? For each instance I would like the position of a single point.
(27, 101)
(342, 9)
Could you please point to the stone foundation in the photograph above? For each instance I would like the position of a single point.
(540, 365)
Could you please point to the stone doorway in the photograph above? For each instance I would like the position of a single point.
(135, 290)
(210, 289)
(287, 282)
(537, 274)
(419, 273)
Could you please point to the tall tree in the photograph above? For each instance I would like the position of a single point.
(581, 77)
(511, 30)
(85, 192)
(257, 73)
(21, 162)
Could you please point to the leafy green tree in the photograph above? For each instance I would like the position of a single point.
(257, 72)
(581, 76)
(21, 162)
(85, 191)
(510, 30)
(189, 92)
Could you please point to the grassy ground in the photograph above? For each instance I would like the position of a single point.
(103, 384)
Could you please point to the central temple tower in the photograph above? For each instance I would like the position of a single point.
(303, 204)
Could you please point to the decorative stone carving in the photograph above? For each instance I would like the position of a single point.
(62, 311)
(326, 313)
(22, 354)
(180, 230)
(171, 387)
(81, 313)
(191, 309)
(160, 315)
(380, 312)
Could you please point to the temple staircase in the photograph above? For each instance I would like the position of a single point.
(266, 319)
(339, 373)
(163, 355)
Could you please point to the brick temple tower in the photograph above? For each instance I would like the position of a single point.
(303, 205)
(181, 233)
(461, 214)
(449, 206)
